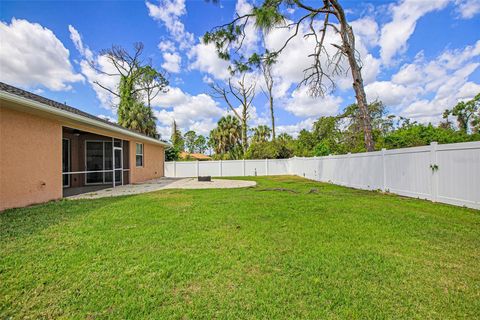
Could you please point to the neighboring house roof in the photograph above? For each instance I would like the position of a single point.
(197, 156)
(27, 98)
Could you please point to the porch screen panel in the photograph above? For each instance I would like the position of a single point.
(66, 161)
(94, 161)
(118, 166)
(108, 161)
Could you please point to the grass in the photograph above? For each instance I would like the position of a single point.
(241, 253)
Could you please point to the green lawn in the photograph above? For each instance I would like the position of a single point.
(242, 253)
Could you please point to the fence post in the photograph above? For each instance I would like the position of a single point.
(174, 168)
(384, 187)
(266, 167)
(434, 168)
(243, 167)
(198, 169)
(220, 167)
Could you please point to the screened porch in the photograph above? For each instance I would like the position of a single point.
(92, 162)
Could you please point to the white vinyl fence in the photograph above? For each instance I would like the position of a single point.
(448, 173)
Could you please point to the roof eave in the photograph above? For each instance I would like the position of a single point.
(76, 117)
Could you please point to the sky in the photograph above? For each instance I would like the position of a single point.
(419, 57)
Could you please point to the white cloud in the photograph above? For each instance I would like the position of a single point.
(301, 104)
(173, 97)
(172, 62)
(108, 118)
(77, 41)
(169, 12)
(196, 112)
(294, 129)
(296, 57)
(468, 90)
(166, 46)
(408, 74)
(31, 55)
(452, 59)
(395, 34)
(250, 41)
(424, 89)
(254, 118)
(205, 59)
(104, 66)
(367, 32)
(390, 93)
(468, 8)
(107, 100)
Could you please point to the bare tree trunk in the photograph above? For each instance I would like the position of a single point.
(348, 40)
(273, 117)
(244, 136)
(243, 94)
(266, 68)
(244, 127)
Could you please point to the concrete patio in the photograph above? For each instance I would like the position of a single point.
(161, 184)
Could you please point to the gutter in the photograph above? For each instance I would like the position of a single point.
(76, 117)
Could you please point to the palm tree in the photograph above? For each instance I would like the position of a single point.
(261, 134)
(140, 118)
(226, 136)
(285, 137)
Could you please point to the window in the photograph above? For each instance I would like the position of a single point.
(139, 155)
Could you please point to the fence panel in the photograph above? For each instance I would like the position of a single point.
(170, 169)
(209, 168)
(278, 167)
(447, 173)
(185, 169)
(255, 168)
(458, 174)
(408, 172)
(232, 168)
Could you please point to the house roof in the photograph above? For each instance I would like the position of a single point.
(198, 156)
(9, 92)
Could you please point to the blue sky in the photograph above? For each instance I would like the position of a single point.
(419, 57)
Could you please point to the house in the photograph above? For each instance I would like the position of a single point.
(49, 150)
(193, 156)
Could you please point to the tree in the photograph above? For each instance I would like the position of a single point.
(201, 144)
(152, 82)
(226, 136)
(189, 138)
(261, 134)
(136, 80)
(319, 77)
(266, 67)
(268, 150)
(415, 134)
(285, 137)
(141, 119)
(352, 135)
(305, 143)
(327, 131)
(467, 114)
(172, 154)
(322, 149)
(176, 138)
(242, 93)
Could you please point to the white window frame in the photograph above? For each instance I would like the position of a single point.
(140, 154)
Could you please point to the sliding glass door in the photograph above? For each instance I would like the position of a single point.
(101, 157)
(94, 161)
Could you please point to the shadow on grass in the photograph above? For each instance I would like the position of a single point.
(22, 222)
